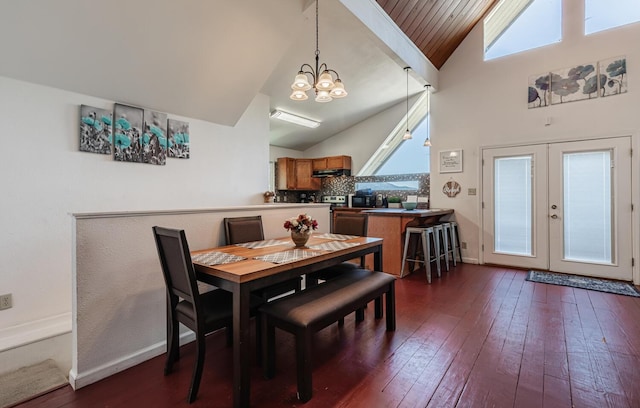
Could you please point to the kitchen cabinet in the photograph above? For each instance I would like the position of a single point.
(332, 162)
(295, 174)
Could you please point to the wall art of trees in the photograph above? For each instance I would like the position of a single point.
(587, 81)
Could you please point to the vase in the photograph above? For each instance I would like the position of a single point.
(300, 238)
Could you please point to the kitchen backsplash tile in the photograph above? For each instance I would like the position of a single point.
(347, 185)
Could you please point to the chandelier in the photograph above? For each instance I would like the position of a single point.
(325, 86)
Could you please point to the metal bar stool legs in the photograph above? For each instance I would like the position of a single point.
(427, 237)
(450, 241)
(455, 239)
(442, 244)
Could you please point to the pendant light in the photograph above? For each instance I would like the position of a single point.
(325, 86)
(407, 134)
(427, 142)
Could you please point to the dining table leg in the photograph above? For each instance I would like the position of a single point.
(241, 346)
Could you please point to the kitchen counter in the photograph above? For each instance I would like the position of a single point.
(390, 223)
(409, 213)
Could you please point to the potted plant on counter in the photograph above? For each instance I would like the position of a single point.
(394, 202)
(269, 196)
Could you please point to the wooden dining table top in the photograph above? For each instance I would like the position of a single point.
(249, 268)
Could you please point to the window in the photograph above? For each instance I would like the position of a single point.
(600, 15)
(519, 25)
(410, 157)
(397, 156)
(390, 185)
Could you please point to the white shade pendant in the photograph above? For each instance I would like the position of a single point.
(427, 141)
(407, 134)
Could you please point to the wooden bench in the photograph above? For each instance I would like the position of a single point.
(311, 310)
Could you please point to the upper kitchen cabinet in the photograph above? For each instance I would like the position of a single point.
(332, 163)
(295, 174)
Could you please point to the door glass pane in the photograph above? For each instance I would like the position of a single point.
(587, 207)
(513, 205)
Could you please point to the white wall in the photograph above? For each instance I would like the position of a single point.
(484, 104)
(45, 179)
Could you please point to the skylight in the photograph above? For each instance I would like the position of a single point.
(511, 30)
(600, 15)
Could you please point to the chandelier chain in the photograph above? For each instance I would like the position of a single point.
(317, 31)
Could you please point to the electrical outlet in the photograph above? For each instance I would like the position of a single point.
(463, 245)
(5, 301)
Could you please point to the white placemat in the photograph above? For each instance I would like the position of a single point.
(262, 244)
(338, 237)
(216, 258)
(334, 245)
(287, 256)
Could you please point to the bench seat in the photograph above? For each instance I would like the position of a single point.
(311, 310)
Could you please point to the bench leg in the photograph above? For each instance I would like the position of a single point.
(391, 307)
(268, 349)
(378, 307)
(360, 314)
(303, 357)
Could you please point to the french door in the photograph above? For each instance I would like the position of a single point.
(564, 207)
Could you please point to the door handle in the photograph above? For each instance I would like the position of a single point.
(554, 216)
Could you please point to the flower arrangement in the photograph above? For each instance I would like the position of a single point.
(302, 223)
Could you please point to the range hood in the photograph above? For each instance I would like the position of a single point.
(331, 173)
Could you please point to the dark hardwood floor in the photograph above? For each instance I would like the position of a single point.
(478, 337)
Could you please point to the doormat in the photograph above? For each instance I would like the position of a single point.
(29, 382)
(583, 282)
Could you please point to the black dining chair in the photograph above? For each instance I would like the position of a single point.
(343, 224)
(203, 313)
(239, 230)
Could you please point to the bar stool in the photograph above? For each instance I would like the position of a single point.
(455, 239)
(427, 236)
(443, 243)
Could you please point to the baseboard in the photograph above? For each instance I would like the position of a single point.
(79, 380)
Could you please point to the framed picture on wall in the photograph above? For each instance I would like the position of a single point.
(154, 138)
(95, 130)
(451, 161)
(178, 142)
(128, 133)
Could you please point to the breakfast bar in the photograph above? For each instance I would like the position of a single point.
(390, 223)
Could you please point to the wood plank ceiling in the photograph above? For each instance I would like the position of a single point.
(437, 27)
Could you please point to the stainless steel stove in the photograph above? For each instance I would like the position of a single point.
(335, 201)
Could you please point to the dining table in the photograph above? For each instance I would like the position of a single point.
(243, 268)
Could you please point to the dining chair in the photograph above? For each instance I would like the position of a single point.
(239, 230)
(343, 224)
(203, 313)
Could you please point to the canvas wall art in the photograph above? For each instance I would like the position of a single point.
(95, 130)
(587, 81)
(178, 139)
(574, 84)
(154, 138)
(613, 76)
(128, 133)
(539, 89)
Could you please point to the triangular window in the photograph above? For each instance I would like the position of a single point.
(518, 25)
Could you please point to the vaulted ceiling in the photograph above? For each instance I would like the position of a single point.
(436, 27)
(208, 59)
